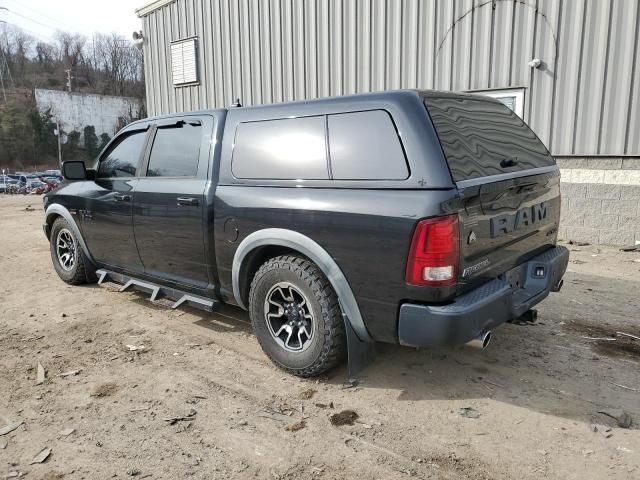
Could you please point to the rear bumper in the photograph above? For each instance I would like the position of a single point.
(486, 307)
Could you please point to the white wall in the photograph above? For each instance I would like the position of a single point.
(75, 111)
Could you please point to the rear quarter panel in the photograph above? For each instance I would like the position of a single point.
(367, 233)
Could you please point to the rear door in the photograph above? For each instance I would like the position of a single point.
(169, 204)
(509, 183)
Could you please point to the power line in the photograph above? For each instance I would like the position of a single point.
(40, 14)
(33, 20)
(41, 36)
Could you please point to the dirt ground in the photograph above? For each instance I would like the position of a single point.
(524, 408)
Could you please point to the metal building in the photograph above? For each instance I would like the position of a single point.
(568, 67)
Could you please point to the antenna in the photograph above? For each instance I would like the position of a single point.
(237, 103)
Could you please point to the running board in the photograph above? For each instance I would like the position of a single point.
(156, 291)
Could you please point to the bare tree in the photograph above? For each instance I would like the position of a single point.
(70, 47)
(23, 44)
(45, 55)
(15, 47)
(118, 59)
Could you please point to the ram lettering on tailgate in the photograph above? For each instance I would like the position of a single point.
(508, 222)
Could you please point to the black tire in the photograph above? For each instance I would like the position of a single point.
(77, 274)
(327, 346)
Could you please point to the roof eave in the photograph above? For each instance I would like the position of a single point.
(151, 7)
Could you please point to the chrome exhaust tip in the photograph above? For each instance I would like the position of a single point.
(481, 341)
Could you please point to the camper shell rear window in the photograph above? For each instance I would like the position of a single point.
(481, 137)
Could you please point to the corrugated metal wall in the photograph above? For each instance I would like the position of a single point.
(584, 101)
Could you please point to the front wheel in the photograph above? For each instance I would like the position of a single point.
(296, 316)
(66, 254)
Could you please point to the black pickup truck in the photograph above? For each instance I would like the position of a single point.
(415, 217)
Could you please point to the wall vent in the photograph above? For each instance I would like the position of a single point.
(184, 63)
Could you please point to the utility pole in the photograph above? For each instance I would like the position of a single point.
(59, 145)
(4, 65)
(4, 94)
(69, 77)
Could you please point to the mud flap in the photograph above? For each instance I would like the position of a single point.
(90, 268)
(360, 354)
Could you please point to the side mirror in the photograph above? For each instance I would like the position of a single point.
(74, 170)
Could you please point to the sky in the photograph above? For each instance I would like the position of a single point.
(41, 18)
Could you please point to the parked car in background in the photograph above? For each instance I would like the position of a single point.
(27, 183)
(37, 187)
(414, 217)
(52, 173)
(52, 180)
(6, 182)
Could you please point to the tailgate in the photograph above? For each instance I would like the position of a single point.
(505, 223)
(508, 182)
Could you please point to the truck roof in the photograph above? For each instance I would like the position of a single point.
(391, 96)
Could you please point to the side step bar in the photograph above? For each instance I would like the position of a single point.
(156, 291)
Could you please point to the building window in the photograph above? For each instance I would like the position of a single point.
(184, 63)
(512, 98)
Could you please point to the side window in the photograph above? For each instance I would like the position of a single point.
(365, 146)
(288, 149)
(175, 151)
(122, 159)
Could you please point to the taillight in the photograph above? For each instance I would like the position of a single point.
(434, 254)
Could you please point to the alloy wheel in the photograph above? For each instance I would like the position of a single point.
(289, 317)
(66, 249)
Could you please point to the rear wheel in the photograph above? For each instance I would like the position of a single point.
(296, 316)
(66, 254)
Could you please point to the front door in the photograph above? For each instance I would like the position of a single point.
(169, 202)
(106, 219)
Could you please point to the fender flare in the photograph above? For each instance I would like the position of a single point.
(317, 254)
(57, 209)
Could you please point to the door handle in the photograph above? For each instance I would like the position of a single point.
(119, 197)
(188, 201)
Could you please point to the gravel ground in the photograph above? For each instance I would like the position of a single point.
(526, 408)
